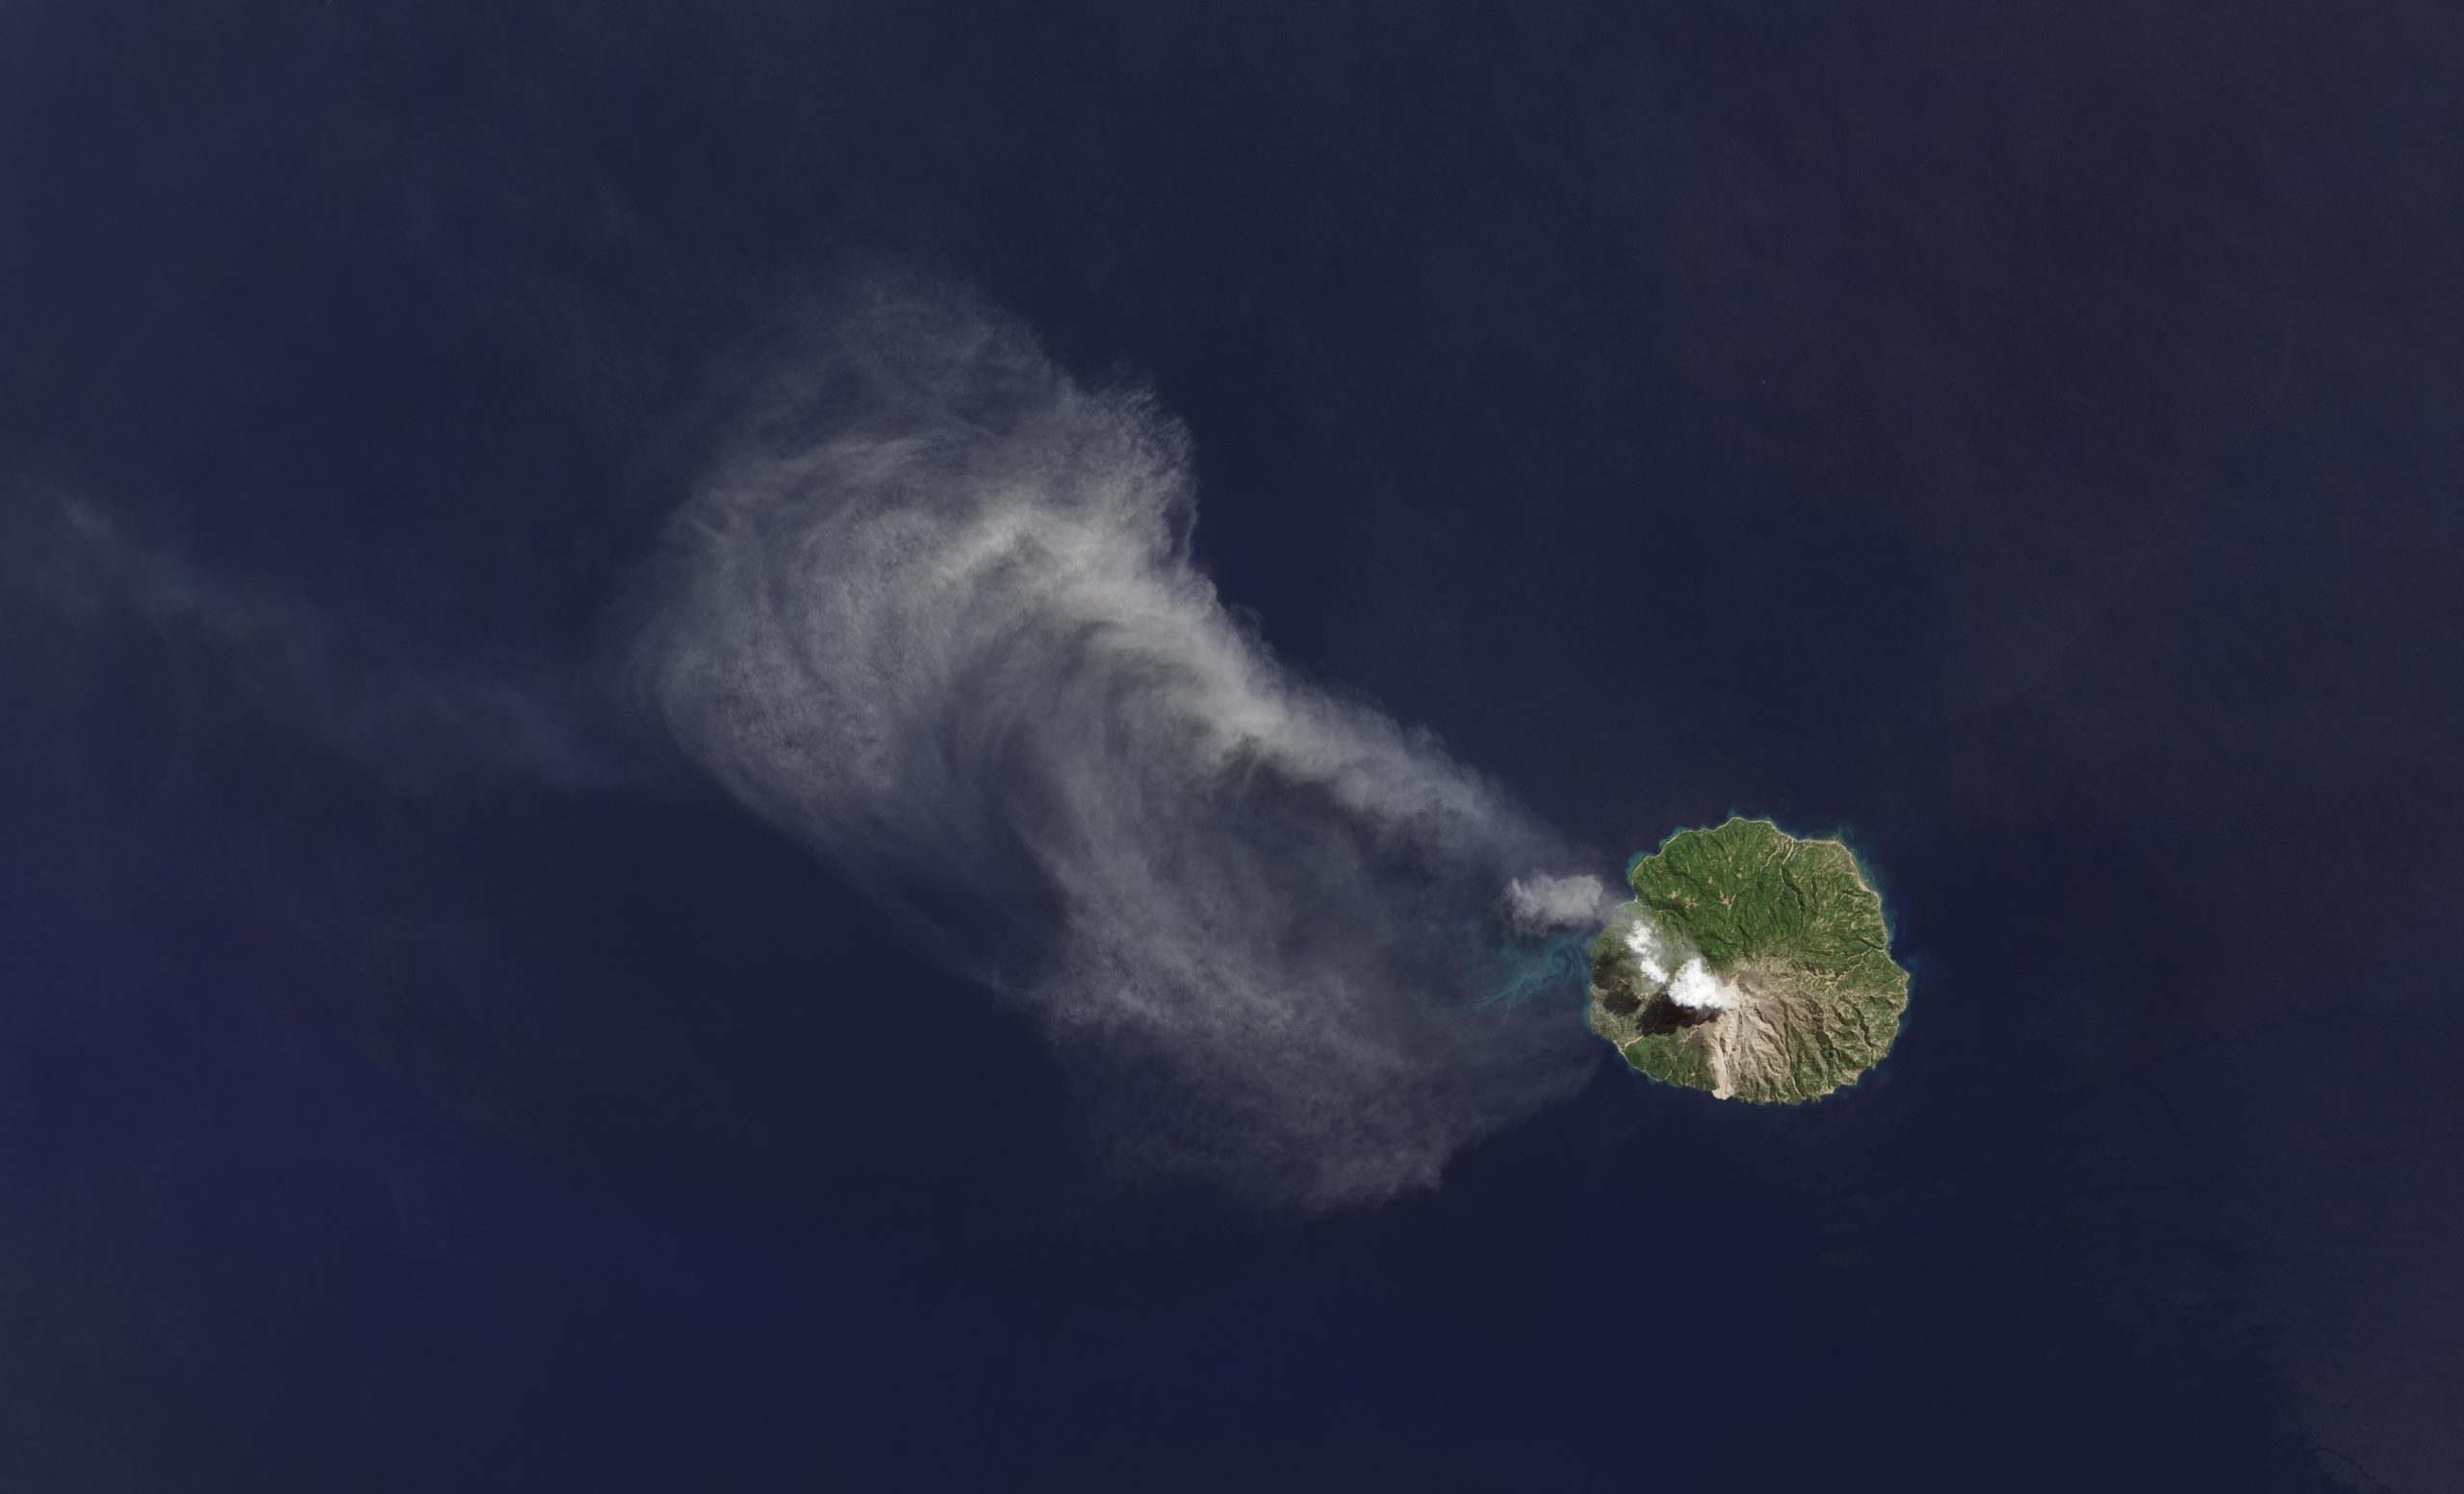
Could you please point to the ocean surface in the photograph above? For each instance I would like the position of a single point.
(2025, 440)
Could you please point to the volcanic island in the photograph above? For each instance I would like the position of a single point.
(1751, 963)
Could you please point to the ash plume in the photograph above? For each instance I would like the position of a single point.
(419, 723)
(934, 612)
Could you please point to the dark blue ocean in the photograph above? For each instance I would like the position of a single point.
(2025, 440)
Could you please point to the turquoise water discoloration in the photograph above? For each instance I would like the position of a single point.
(1559, 963)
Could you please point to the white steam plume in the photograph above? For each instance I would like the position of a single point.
(1693, 985)
(1547, 905)
(934, 612)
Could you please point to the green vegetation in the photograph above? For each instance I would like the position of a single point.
(1807, 995)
